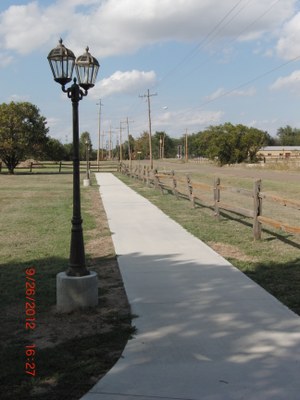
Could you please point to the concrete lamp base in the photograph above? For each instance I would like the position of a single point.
(73, 293)
(86, 182)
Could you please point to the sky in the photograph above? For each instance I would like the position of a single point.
(204, 62)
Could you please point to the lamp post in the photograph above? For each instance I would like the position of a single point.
(62, 62)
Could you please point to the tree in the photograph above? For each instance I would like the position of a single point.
(142, 146)
(23, 133)
(194, 145)
(68, 151)
(55, 150)
(131, 147)
(289, 136)
(229, 143)
(84, 138)
(170, 146)
(253, 140)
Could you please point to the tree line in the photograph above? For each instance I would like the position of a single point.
(24, 134)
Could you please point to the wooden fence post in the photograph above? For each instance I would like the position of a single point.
(190, 190)
(156, 180)
(174, 188)
(59, 168)
(0, 166)
(217, 196)
(31, 164)
(257, 209)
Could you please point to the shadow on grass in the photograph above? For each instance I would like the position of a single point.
(66, 371)
(282, 280)
(242, 219)
(65, 368)
(284, 237)
(229, 215)
(13, 278)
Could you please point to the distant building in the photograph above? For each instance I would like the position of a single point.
(282, 152)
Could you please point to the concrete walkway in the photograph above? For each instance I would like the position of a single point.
(205, 331)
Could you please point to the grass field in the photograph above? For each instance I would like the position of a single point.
(274, 261)
(72, 351)
(35, 232)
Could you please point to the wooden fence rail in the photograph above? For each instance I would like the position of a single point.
(194, 191)
(59, 166)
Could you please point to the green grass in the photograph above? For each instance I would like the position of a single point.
(35, 223)
(273, 262)
(35, 220)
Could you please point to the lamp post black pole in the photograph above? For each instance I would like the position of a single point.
(77, 255)
(62, 62)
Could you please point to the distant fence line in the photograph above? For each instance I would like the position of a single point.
(60, 166)
(168, 181)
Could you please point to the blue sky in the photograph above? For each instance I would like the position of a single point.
(208, 61)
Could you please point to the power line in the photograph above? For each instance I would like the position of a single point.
(258, 77)
(201, 43)
(212, 35)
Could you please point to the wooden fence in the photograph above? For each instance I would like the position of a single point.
(63, 166)
(201, 192)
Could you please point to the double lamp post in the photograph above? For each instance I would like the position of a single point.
(62, 62)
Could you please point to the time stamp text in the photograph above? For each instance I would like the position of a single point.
(30, 319)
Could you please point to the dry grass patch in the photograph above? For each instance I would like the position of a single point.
(231, 252)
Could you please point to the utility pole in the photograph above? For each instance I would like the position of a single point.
(148, 95)
(129, 148)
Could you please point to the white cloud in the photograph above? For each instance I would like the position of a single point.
(290, 82)
(53, 121)
(24, 28)
(221, 92)
(5, 59)
(115, 27)
(175, 122)
(288, 46)
(216, 94)
(188, 118)
(124, 82)
(18, 97)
